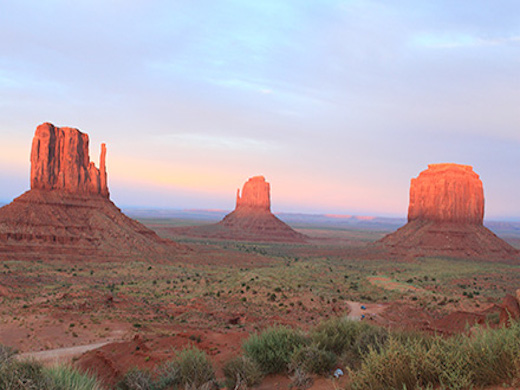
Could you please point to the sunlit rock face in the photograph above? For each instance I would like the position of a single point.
(255, 195)
(60, 161)
(447, 193)
(67, 211)
(445, 218)
(252, 219)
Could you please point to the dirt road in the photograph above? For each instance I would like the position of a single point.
(60, 355)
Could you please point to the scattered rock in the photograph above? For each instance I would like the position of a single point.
(510, 310)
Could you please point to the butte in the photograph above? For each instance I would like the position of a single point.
(68, 211)
(252, 219)
(445, 218)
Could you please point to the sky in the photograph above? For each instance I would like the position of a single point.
(338, 103)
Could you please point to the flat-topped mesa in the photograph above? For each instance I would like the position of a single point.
(255, 195)
(60, 161)
(447, 193)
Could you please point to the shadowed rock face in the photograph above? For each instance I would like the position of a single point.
(255, 195)
(447, 193)
(445, 218)
(60, 161)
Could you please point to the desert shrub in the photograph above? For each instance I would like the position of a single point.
(398, 365)
(272, 349)
(68, 378)
(300, 379)
(336, 334)
(490, 357)
(167, 375)
(370, 337)
(313, 360)
(5, 354)
(195, 369)
(23, 375)
(242, 371)
(137, 379)
(493, 355)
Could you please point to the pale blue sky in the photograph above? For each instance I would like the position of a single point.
(338, 103)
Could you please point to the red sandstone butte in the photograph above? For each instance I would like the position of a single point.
(447, 193)
(255, 195)
(67, 211)
(60, 161)
(445, 218)
(251, 220)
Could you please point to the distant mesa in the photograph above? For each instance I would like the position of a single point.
(445, 217)
(252, 219)
(67, 211)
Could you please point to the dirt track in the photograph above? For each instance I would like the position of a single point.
(61, 355)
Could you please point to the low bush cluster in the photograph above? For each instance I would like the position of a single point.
(190, 369)
(30, 375)
(491, 357)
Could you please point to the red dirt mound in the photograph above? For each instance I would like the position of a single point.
(113, 360)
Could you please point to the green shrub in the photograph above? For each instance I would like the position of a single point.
(137, 379)
(313, 360)
(6, 353)
(397, 366)
(68, 378)
(242, 371)
(336, 334)
(488, 357)
(167, 374)
(195, 369)
(23, 375)
(272, 349)
(370, 337)
(494, 355)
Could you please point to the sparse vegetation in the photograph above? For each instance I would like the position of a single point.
(31, 375)
(242, 372)
(273, 348)
(491, 357)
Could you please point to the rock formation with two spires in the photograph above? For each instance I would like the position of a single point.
(68, 211)
(445, 217)
(252, 219)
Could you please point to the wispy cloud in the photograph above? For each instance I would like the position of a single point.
(223, 142)
(459, 40)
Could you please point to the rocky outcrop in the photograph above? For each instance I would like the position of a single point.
(68, 210)
(447, 193)
(510, 310)
(445, 218)
(60, 161)
(255, 195)
(251, 220)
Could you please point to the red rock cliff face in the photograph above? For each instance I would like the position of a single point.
(255, 195)
(447, 193)
(60, 161)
